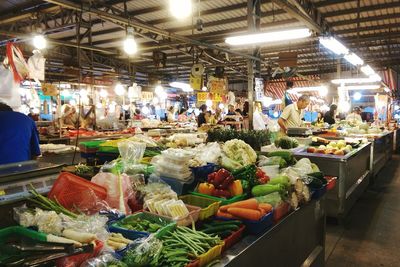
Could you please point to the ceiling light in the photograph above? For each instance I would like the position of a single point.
(357, 96)
(103, 93)
(130, 46)
(367, 70)
(361, 87)
(354, 80)
(184, 86)
(276, 114)
(323, 90)
(354, 59)
(119, 89)
(268, 37)
(334, 45)
(39, 41)
(204, 89)
(180, 9)
(375, 78)
(159, 90)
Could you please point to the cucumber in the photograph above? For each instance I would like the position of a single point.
(265, 189)
(286, 155)
(215, 229)
(233, 222)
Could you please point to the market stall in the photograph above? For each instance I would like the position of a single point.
(353, 172)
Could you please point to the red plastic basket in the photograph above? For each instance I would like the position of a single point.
(233, 238)
(76, 193)
(77, 260)
(331, 182)
(281, 211)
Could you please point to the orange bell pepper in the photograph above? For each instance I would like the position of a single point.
(236, 188)
(206, 188)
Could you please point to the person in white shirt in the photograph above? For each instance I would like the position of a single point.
(355, 116)
(293, 114)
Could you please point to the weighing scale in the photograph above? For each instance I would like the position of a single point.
(16, 178)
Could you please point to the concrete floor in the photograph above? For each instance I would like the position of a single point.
(370, 235)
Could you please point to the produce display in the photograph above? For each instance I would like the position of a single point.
(339, 148)
(286, 142)
(143, 222)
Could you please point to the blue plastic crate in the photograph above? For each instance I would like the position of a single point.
(255, 227)
(132, 234)
(201, 173)
(180, 187)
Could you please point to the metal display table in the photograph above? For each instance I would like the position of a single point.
(297, 240)
(353, 172)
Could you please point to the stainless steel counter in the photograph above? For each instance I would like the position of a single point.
(297, 240)
(353, 172)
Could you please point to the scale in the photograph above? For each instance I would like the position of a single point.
(299, 131)
(16, 178)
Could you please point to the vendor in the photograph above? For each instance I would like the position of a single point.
(18, 136)
(355, 116)
(293, 114)
(70, 118)
(329, 116)
(201, 119)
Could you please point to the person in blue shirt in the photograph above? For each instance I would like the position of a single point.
(19, 138)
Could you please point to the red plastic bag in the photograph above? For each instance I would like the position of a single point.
(77, 260)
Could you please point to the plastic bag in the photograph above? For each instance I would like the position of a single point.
(48, 222)
(265, 161)
(119, 189)
(131, 152)
(144, 252)
(209, 153)
(103, 260)
(77, 260)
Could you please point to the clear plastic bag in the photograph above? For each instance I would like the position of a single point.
(144, 252)
(131, 152)
(103, 260)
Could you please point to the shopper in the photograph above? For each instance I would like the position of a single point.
(330, 115)
(70, 118)
(19, 137)
(245, 115)
(293, 114)
(355, 116)
(138, 115)
(182, 117)
(171, 114)
(201, 119)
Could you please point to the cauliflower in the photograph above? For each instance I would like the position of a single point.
(48, 222)
(239, 151)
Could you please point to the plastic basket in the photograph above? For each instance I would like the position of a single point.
(209, 207)
(103, 157)
(21, 231)
(281, 211)
(193, 216)
(318, 193)
(233, 238)
(255, 227)
(258, 227)
(108, 149)
(331, 182)
(74, 192)
(132, 234)
(223, 201)
(180, 187)
(201, 173)
(207, 257)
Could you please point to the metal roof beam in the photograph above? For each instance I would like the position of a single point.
(361, 9)
(304, 11)
(120, 19)
(365, 19)
(331, 3)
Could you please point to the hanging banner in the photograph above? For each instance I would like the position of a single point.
(259, 89)
(49, 89)
(147, 96)
(217, 85)
(195, 82)
(204, 96)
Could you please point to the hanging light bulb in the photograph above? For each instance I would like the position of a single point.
(159, 90)
(39, 42)
(119, 89)
(103, 93)
(180, 9)
(130, 46)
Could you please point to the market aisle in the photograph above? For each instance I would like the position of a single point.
(371, 233)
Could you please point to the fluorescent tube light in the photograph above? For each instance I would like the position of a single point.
(367, 70)
(334, 45)
(375, 77)
(323, 90)
(353, 80)
(354, 59)
(361, 87)
(184, 86)
(268, 37)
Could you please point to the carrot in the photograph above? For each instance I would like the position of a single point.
(247, 214)
(265, 206)
(225, 215)
(263, 212)
(224, 208)
(250, 203)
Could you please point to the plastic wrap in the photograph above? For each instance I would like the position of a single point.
(144, 252)
(104, 260)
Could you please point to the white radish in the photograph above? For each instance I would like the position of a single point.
(62, 240)
(78, 236)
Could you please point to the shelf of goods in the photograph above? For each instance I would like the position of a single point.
(353, 172)
(305, 247)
